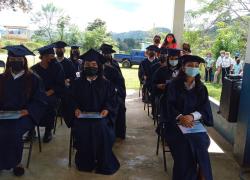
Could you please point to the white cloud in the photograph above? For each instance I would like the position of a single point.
(143, 17)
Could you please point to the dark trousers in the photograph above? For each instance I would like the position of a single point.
(225, 73)
(208, 74)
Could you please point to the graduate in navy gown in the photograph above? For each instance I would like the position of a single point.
(107, 51)
(68, 67)
(188, 103)
(94, 138)
(20, 90)
(114, 75)
(52, 75)
(74, 57)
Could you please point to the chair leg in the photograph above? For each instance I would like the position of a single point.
(158, 144)
(30, 152)
(39, 139)
(55, 124)
(164, 155)
(70, 147)
(61, 120)
(148, 109)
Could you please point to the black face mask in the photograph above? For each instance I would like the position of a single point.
(59, 54)
(90, 71)
(17, 66)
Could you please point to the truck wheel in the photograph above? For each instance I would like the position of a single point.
(126, 64)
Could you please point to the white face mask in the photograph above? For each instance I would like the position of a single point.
(173, 62)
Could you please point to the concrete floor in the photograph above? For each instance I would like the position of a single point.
(136, 154)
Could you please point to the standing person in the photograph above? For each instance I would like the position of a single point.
(157, 41)
(94, 138)
(169, 41)
(238, 68)
(186, 49)
(112, 73)
(52, 75)
(226, 65)
(218, 67)
(21, 91)
(188, 106)
(74, 57)
(68, 67)
(209, 64)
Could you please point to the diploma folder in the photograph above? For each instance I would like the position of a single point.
(90, 115)
(197, 128)
(4, 115)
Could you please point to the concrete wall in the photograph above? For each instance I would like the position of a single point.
(226, 129)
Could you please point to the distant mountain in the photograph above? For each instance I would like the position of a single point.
(139, 34)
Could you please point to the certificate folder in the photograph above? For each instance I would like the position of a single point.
(9, 115)
(197, 128)
(90, 115)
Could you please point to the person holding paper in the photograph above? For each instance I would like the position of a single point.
(21, 91)
(94, 137)
(187, 106)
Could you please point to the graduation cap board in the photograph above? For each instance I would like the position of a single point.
(93, 55)
(191, 58)
(75, 47)
(18, 51)
(60, 44)
(152, 48)
(107, 49)
(174, 52)
(49, 49)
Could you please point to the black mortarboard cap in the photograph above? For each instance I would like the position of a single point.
(18, 51)
(163, 50)
(191, 58)
(75, 47)
(93, 55)
(60, 44)
(107, 49)
(174, 52)
(49, 49)
(152, 48)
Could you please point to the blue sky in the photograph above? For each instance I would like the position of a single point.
(120, 15)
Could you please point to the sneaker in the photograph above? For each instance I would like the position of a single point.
(18, 171)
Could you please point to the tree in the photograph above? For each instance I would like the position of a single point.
(24, 5)
(96, 34)
(62, 24)
(74, 35)
(96, 24)
(46, 20)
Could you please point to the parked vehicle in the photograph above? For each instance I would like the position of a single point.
(128, 60)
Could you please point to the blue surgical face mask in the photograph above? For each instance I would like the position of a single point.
(173, 62)
(190, 71)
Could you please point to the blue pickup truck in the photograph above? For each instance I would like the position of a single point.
(128, 60)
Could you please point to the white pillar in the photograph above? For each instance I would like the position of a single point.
(178, 20)
(247, 59)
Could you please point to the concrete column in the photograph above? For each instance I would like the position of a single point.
(242, 134)
(178, 20)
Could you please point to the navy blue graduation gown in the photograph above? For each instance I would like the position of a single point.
(188, 150)
(117, 80)
(53, 78)
(69, 69)
(13, 98)
(94, 138)
(76, 64)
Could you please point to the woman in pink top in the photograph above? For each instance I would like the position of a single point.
(170, 41)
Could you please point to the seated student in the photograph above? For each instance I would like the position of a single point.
(20, 90)
(187, 105)
(74, 58)
(114, 75)
(94, 138)
(68, 67)
(52, 75)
